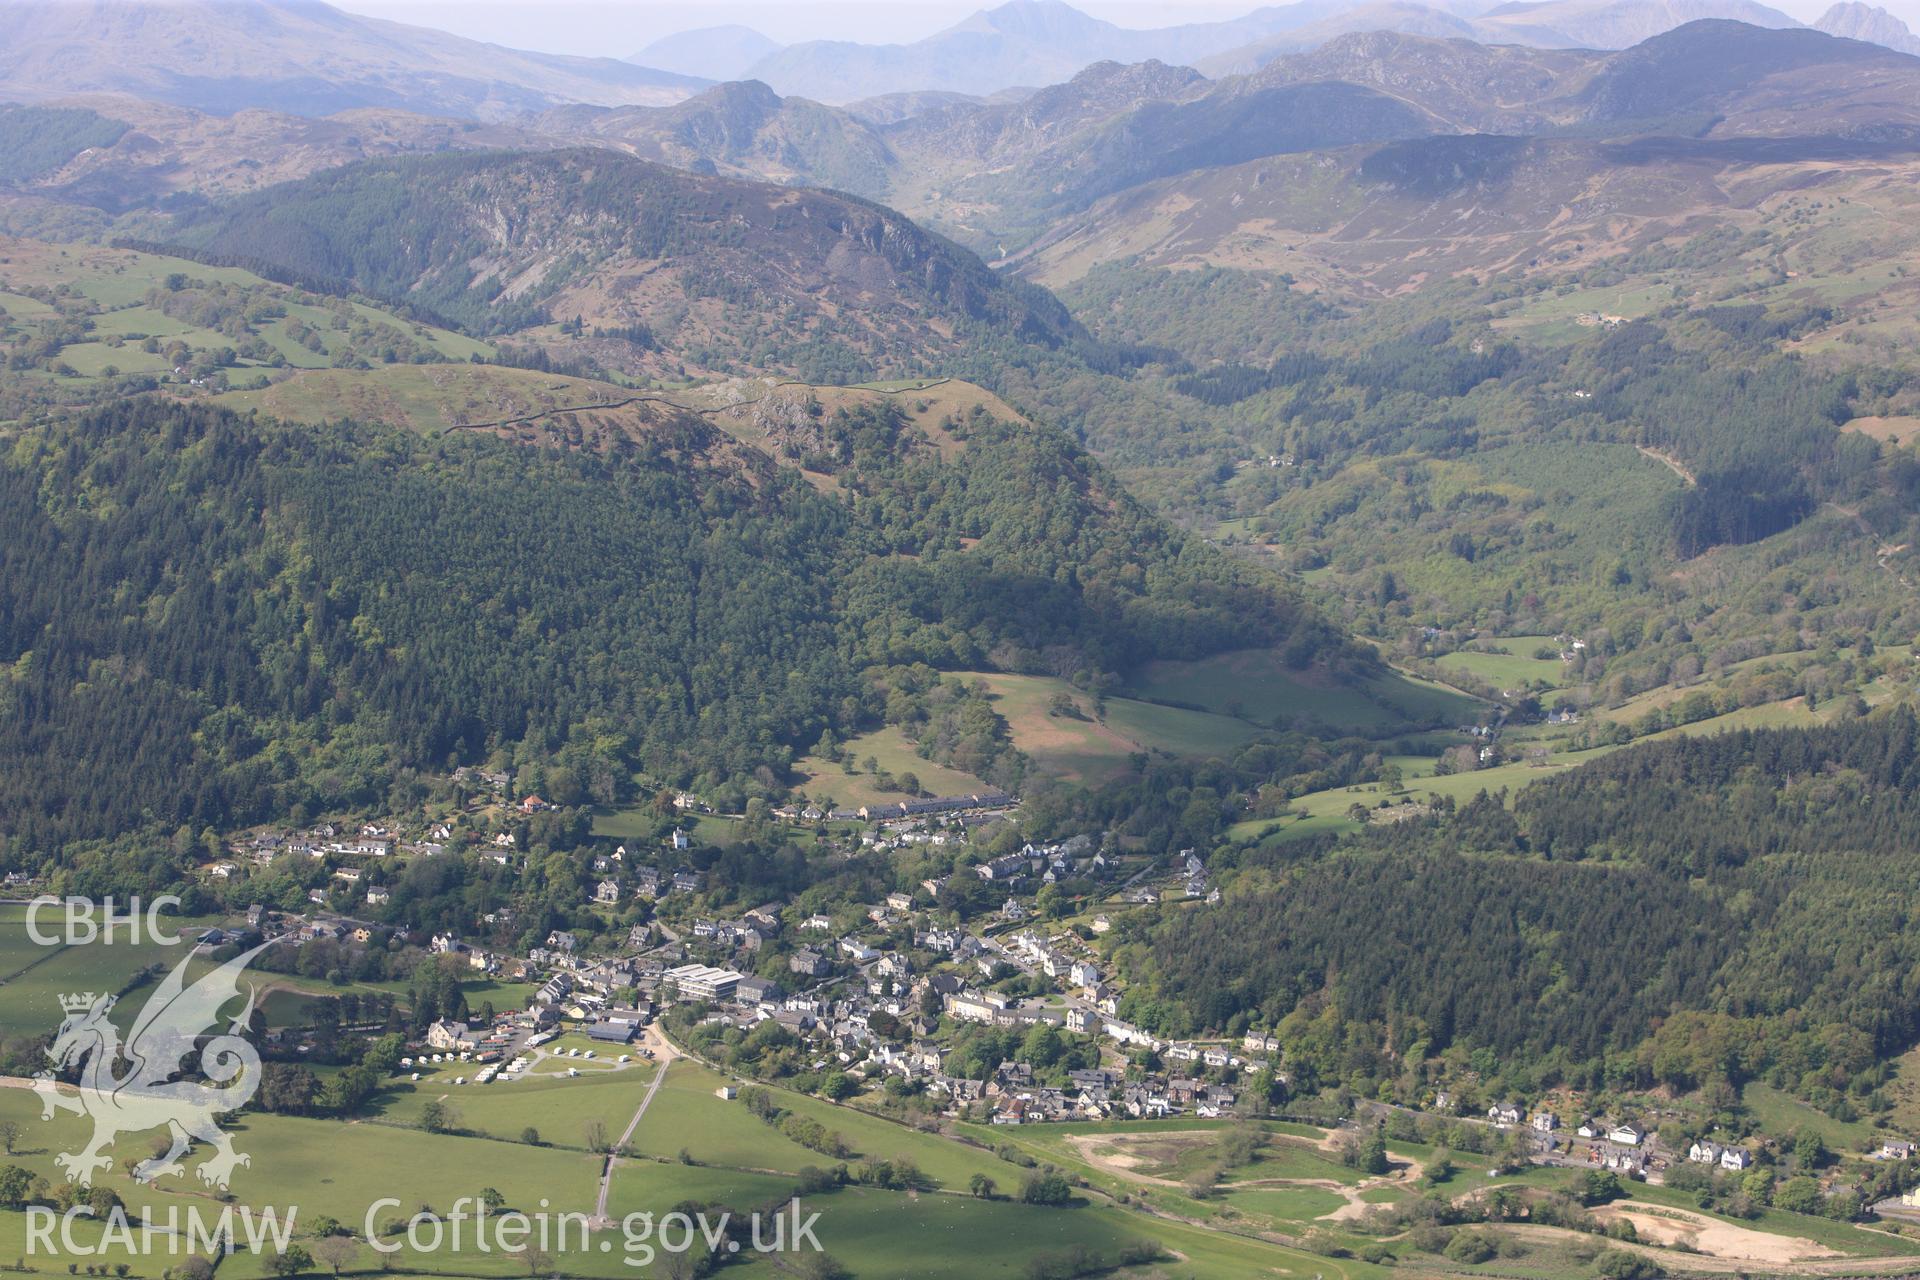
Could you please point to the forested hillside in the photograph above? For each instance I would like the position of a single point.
(1656, 485)
(209, 620)
(1757, 433)
(1690, 912)
(35, 141)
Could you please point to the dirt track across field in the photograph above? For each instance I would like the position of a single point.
(1717, 1239)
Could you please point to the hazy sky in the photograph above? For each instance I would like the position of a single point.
(617, 28)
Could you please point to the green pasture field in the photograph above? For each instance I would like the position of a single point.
(1085, 748)
(888, 747)
(321, 1166)
(118, 282)
(1256, 685)
(1514, 669)
(1298, 1205)
(1779, 1113)
(955, 1237)
(688, 1115)
(561, 1109)
(33, 977)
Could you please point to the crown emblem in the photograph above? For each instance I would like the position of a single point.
(78, 1003)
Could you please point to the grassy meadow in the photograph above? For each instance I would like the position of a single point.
(1255, 685)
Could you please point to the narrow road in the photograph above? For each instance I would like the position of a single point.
(664, 1053)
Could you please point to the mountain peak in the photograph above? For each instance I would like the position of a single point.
(1034, 20)
(725, 52)
(1691, 67)
(1857, 21)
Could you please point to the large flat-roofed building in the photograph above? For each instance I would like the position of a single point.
(704, 982)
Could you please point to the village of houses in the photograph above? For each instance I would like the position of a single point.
(901, 957)
(836, 979)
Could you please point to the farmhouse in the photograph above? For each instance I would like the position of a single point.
(450, 1037)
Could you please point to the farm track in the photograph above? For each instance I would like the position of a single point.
(1671, 463)
(665, 1054)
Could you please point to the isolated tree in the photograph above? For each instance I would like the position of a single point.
(1373, 1155)
(1047, 1188)
(1601, 1186)
(1240, 1144)
(1798, 1195)
(532, 1259)
(822, 1266)
(338, 1252)
(290, 1262)
(16, 1183)
(1200, 1184)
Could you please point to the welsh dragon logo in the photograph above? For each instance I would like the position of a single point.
(149, 1094)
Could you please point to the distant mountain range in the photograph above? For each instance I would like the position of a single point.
(1612, 24)
(307, 58)
(1018, 176)
(1536, 159)
(297, 56)
(1037, 42)
(1000, 176)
